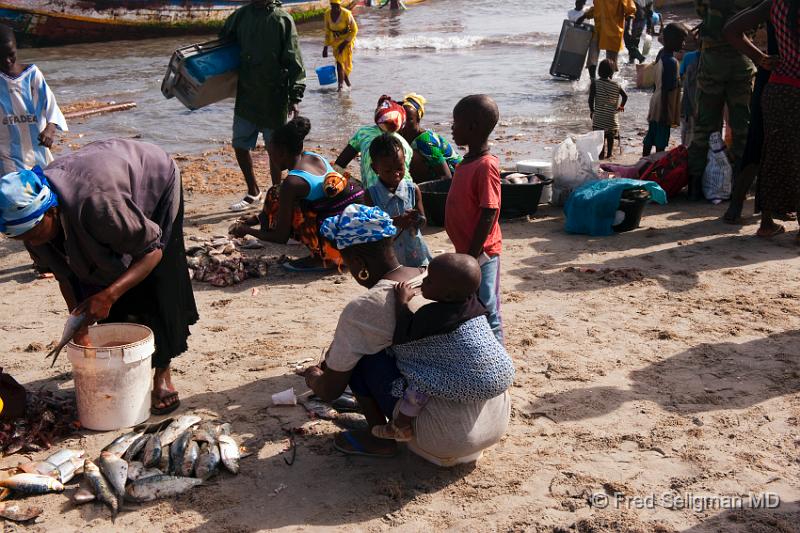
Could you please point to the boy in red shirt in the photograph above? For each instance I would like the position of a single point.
(473, 203)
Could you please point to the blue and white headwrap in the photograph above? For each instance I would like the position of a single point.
(358, 224)
(25, 197)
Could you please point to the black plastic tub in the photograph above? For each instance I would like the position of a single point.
(518, 199)
(632, 204)
(521, 199)
(434, 199)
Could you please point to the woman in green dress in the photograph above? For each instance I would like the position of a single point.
(434, 157)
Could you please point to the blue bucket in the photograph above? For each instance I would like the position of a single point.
(326, 75)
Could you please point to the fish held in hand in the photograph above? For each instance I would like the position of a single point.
(73, 325)
(32, 484)
(115, 469)
(152, 488)
(151, 456)
(100, 487)
(229, 452)
(178, 426)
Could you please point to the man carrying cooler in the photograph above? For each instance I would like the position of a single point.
(271, 83)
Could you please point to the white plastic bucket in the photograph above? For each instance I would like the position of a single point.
(544, 168)
(113, 378)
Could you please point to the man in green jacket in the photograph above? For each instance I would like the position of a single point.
(724, 78)
(272, 81)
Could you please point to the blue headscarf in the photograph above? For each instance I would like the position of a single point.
(25, 197)
(358, 224)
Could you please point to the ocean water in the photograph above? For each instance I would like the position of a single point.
(442, 49)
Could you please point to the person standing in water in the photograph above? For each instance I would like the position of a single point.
(609, 17)
(272, 80)
(340, 33)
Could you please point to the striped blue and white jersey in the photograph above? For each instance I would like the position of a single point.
(27, 105)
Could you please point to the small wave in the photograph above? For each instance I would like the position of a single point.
(454, 42)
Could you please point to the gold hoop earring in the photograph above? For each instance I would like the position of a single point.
(363, 275)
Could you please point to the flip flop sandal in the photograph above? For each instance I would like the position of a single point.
(346, 403)
(358, 448)
(778, 230)
(168, 407)
(248, 202)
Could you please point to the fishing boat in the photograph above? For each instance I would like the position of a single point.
(55, 22)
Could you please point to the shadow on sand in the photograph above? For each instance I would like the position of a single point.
(704, 378)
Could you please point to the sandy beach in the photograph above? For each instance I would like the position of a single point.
(659, 363)
(658, 371)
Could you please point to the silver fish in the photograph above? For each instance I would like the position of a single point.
(165, 464)
(189, 459)
(83, 494)
(209, 460)
(42, 468)
(151, 456)
(115, 469)
(31, 484)
(133, 450)
(152, 488)
(121, 444)
(229, 451)
(204, 434)
(69, 469)
(135, 469)
(223, 429)
(74, 323)
(100, 487)
(177, 449)
(16, 513)
(150, 472)
(178, 426)
(64, 455)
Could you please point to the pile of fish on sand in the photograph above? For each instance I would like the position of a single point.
(222, 263)
(49, 417)
(154, 461)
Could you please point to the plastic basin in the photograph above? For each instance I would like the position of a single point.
(434, 199)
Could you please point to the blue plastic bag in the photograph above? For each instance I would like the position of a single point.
(591, 208)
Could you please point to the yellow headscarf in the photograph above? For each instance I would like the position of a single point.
(417, 102)
(337, 2)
